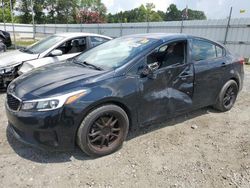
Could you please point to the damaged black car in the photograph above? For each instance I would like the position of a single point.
(95, 99)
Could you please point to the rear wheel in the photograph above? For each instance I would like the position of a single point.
(103, 130)
(227, 96)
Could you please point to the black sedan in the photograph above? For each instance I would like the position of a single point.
(94, 99)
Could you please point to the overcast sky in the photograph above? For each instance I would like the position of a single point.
(214, 9)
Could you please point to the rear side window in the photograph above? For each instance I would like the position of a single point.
(203, 50)
(95, 41)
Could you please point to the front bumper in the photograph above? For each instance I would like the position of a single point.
(52, 130)
(5, 79)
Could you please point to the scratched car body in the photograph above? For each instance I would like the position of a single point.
(94, 99)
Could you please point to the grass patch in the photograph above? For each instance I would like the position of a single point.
(25, 43)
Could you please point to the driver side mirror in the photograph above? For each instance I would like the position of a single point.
(56, 53)
(150, 69)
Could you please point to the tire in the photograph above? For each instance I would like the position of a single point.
(227, 96)
(103, 131)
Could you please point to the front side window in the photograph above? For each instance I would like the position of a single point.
(203, 50)
(74, 46)
(43, 45)
(117, 52)
(170, 54)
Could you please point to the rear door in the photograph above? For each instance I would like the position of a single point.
(210, 67)
(170, 90)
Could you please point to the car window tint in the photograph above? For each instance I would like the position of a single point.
(44, 44)
(203, 50)
(95, 41)
(74, 46)
(170, 54)
(219, 51)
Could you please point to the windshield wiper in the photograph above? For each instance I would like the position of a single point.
(92, 65)
(85, 64)
(26, 50)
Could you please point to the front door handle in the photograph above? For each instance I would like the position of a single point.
(223, 64)
(184, 77)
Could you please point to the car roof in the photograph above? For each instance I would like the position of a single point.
(160, 36)
(75, 34)
(170, 36)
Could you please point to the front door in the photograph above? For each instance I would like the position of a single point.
(169, 90)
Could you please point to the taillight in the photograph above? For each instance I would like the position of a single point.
(242, 61)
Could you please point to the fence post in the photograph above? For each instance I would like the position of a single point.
(147, 27)
(182, 25)
(98, 28)
(121, 32)
(228, 25)
(12, 19)
(55, 28)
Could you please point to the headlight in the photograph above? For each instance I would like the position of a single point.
(53, 102)
(9, 69)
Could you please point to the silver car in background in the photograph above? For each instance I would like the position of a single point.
(55, 48)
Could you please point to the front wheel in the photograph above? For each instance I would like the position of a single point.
(103, 130)
(227, 96)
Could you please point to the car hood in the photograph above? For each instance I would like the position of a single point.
(13, 57)
(51, 80)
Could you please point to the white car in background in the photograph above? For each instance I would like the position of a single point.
(55, 48)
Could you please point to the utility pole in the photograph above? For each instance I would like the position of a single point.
(12, 20)
(33, 19)
(3, 15)
(228, 25)
(184, 16)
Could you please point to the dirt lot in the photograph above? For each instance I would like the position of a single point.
(214, 153)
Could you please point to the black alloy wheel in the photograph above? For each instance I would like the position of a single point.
(227, 96)
(103, 130)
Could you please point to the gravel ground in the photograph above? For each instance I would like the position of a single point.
(201, 149)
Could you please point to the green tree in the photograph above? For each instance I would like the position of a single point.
(39, 15)
(25, 12)
(196, 15)
(140, 14)
(173, 14)
(5, 14)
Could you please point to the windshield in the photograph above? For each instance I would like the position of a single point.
(43, 45)
(115, 53)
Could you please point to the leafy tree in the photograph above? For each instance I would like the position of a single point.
(140, 14)
(25, 12)
(91, 7)
(38, 7)
(173, 14)
(196, 15)
(5, 13)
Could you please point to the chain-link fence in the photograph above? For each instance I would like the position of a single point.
(237, 33)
